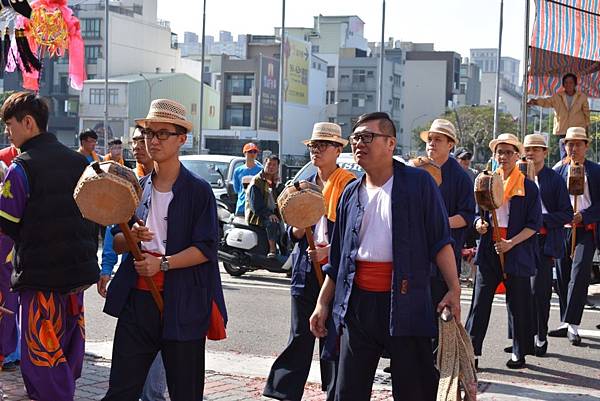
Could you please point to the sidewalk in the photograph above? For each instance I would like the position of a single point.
(233, 387)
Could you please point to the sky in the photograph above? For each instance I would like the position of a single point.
(456, 25)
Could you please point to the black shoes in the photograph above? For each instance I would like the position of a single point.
(508, 349)
(558, 333)
(541, 351)
(518, 364)
(574, 339)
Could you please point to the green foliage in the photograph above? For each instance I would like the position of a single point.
(475, 129)
(3, 97)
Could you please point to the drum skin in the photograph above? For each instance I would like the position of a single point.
(576, 179)
(108, 195)
(301, 204)
(428, 165)
(489, 190)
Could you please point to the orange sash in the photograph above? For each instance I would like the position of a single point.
(374, 276)
(514, 185)
(158, 278)
(336, 183)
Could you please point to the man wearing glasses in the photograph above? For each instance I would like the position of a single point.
(290, 370)
(179, 238)
(573, 273)
(87, 145)
(243, 174)
(518, 244)
(391, 225)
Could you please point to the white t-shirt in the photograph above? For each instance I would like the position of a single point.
(157, 221)
(544, 210)
(375, 236)
(321, 235)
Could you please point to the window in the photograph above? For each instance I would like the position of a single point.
(240, 84)
(97, 96)
(370, 74)
(395, 103)
(369, 98)
(91, 76)
(90, 28)
(358, 76)
(330, 71)
(344, 76)
(237, 115)
(64, 83)
(331, 119)
(397, 79)
(314, 48)
(92, 53)
(358, 100)
(330, 98)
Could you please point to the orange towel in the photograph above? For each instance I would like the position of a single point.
(374, 276)
(140, 171)
(119, 160)
(514, 185)
(333, 190)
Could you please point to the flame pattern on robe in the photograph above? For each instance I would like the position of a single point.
(45, 331)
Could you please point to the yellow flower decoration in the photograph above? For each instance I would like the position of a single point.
(6, 190)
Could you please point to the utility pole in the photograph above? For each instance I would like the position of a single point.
(281, 83)
(525, 72)
(498, 67)
(201, 111)
(381, 56)
(105, 76)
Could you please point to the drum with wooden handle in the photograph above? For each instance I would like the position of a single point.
(576, 187)
(428, 165)
(302, 205)
(108, 193)
(489, 194)
(527, 168)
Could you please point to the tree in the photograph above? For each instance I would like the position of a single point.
(3, 97)
(474, 128)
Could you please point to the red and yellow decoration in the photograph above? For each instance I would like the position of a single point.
(45, 331)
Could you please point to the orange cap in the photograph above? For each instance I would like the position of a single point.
(249, 146)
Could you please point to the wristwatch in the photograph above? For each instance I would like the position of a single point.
(164, 264)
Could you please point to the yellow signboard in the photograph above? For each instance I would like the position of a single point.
(296, 68)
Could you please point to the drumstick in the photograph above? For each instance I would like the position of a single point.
(315, 263)
(574, 231)
(137, 254)
(4, 311)
(496, 236)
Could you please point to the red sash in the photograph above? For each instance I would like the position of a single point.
(374, 276)
(158, 278)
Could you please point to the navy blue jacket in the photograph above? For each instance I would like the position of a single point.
(524, 212)
(420, 230)
(591, 215)
(188, 293)
(457, 192)
(555, 197)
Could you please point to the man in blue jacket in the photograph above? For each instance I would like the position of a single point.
(517, 243)
(556, 212)
(390, 227)
(179, 240)
(573, 274)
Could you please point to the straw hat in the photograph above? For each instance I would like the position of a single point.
(509, 139)
(576, 134)
(330, 132)
(535, 141)
(441, 126)
(166, 111)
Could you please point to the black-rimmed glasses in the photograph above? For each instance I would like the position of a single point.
(365, 136)
(161, 135)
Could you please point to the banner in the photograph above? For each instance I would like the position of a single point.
(296, 68)
(268, 113)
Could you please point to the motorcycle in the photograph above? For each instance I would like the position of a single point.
(244, 247)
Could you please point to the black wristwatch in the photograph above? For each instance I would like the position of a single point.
(164, 264)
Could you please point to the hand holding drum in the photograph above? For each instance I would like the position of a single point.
(489, 193)
(576, 186)
(108, 193)
(302, 205)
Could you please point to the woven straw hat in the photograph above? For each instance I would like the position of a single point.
(327, 132)
(166, 111)
(510, 139)
(441, 126)
(534, 141)
(576, 134)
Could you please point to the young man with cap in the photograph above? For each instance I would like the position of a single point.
(390, 226)
(87, 145)
(573, 274)
(464, 157)
(457, 192)
(556, 212)
(290, 370)
(55, 249)
(243, 174)
(179, 240)
(518, 245)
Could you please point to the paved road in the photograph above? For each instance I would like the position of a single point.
(258, 306)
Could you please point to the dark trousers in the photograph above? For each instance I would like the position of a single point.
(138, 338)
(289, 372)
(541, 285)
(519, 305)
(365, 335)
(573, 276)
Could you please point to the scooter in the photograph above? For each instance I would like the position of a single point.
(244, 247)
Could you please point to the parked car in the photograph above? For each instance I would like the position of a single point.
(217, 170)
